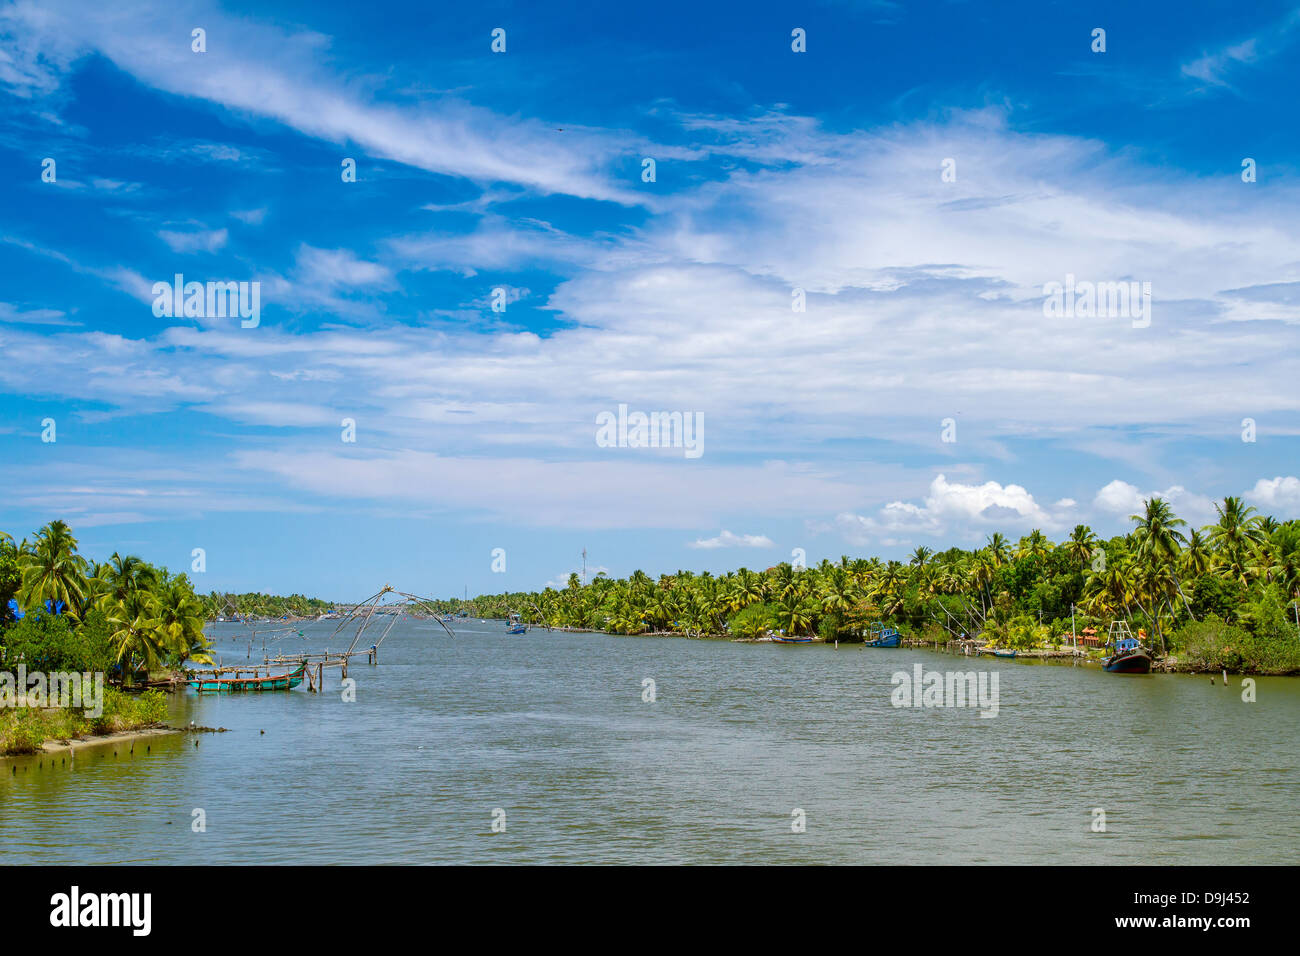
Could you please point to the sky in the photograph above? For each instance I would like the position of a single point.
(466, 258)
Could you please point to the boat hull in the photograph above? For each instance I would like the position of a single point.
(792, 640)
(242, 684)
(516, 629)
(1131, 663)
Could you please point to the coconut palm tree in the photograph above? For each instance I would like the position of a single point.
(1157, 534)
(180, 624)
(53, 571)
(127, 573)
(1196, 559)
(1234, 535)
(134, 633)
(998, 548)
(794, 614)
(1034, 545)
(1081, 544)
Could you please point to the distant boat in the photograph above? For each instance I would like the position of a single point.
(1128, 656)
(206, 685)
(998, 652)
(791, 639)
(881, 636)
(515, 625)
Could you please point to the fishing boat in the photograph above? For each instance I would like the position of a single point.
(1000, 652)
(216, 684)
(516, 625)
(790, 639)
(1127, 656)
(881, 636)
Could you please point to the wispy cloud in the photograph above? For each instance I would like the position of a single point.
(728, 540)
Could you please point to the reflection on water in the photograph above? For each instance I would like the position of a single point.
(552, 729)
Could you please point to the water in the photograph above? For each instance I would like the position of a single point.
(551, 728)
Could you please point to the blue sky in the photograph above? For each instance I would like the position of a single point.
(775, 170)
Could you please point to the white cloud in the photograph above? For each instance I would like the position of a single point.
(651, 493)
(728, 540)
(250, 217)
(1278, 496)
(198, 240)
(951, 510)
(12, 313)
(1119, 498)
(282, 75)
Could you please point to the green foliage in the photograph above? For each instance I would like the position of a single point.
(123, 712)
(11, 576)
(1021, 632)
(1212, 594)
(754, 621)
(24, 729)
(1212, 644)
(51, 642)
(272, 606)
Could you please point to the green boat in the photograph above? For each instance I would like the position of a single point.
(206, 685)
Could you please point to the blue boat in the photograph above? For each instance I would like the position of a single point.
(516, 625)
(1128, 656)
(790, 639)
(881, 636)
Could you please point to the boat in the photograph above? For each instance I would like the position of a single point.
(881, 636)
(1000, 652)
(783, 638)
(516, 625)
(1127, 656)
(289, 681)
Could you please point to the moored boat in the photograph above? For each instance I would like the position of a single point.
(881, 636)
(216, 684)
(1127, 656)
(516, 625)
(790, 639)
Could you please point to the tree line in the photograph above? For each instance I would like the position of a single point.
(1221, 595)
(124, 616)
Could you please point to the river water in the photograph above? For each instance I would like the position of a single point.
(551, 734)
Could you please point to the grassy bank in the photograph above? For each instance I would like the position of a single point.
(23, 730)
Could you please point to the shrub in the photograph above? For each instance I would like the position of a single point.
(1213, 644)
(751, 622)
(50, 642)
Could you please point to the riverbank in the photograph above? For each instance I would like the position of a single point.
(1172, 664)
(28, 730)
(71, 746)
